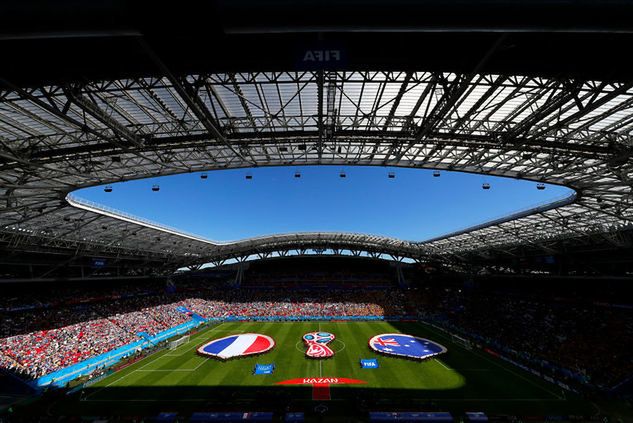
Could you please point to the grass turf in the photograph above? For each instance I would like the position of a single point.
(458, 381)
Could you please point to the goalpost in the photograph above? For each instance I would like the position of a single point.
(462, 342)
(178, 342)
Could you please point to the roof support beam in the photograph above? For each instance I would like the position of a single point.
(191, 98)
(320, 119)
(89, 106)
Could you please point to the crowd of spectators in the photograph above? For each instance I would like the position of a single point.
(572, 340)
(254, 303)
(37, 340)
(577, 342)
(137, 321)
(37, 353)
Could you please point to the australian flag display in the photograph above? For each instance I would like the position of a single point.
(237, 346)
(402, 345)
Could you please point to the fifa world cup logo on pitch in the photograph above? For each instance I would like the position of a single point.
(317, 344)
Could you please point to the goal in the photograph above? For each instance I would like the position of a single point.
(178, 342)
(462, 342)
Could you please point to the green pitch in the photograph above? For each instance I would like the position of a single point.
(458, 381)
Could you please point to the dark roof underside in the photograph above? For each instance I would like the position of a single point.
(76, 40)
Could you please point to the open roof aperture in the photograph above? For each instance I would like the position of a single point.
(408, 204)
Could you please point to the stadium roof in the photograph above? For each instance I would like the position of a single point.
(61, 130)
(97, 40)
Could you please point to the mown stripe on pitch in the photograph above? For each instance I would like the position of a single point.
(428, 377)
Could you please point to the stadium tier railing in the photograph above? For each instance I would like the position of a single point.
(539, 207)
(82, 203)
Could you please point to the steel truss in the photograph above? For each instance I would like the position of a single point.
(57, 138)
(280, 251)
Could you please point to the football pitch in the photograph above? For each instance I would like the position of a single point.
(458, 381)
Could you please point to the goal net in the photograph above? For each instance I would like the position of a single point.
(462, 342)
(178, 342)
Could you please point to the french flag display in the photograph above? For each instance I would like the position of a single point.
(237, 346)
(398, 344)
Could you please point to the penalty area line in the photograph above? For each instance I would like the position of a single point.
(128, 374)
(192, 339)
(444, 365)
(108, 385)
(460, 370)
(504, 367)
(174, 370)
(206, 360)
(156, 356)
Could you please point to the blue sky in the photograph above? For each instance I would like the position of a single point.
(413, 206)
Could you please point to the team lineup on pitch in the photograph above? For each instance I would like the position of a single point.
(459, 376)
